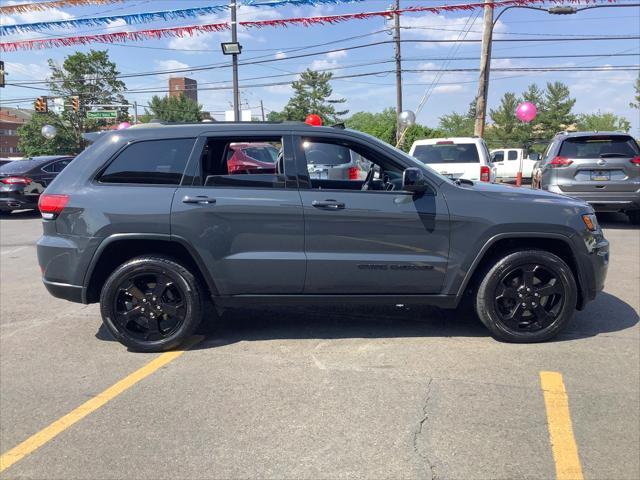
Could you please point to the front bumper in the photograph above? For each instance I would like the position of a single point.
(593, 265)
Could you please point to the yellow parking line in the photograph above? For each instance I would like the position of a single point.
(563, 443)
(50, 432)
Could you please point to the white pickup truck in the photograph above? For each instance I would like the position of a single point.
(508, 161)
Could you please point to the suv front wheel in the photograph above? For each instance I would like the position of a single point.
(527, 297)
(151, 304)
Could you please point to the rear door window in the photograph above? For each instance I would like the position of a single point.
(599, 146)
(152, 162)
(447, 153)
(497, 156)
(513, 155)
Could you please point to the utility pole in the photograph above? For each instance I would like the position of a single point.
(262, 109)
(234, 58)
(135, 113)
(396, 39)
(485, 69)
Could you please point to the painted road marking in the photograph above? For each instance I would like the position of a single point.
(13, 250)
(563, 443)
(48, 433)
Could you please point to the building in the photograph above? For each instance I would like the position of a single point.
(10, 120)
(188, 86)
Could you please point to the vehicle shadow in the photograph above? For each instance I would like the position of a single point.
(615, 221)
(20, 215)
(607, 314)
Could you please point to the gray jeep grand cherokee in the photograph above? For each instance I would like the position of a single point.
(151, 223)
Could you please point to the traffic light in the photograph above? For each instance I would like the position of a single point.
(1, 74)
(41, 105)
(75, 104)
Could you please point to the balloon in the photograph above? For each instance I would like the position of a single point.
(48, 131)
(407, 118)
(124, 125)
(526, 112)
(313, 120)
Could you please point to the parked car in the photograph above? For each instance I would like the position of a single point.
(602, 168)
(251, 157)
(456, 157)
(151, 224)
(510, 161)
(334, 162)
(22, 181)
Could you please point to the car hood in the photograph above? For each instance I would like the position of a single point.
(495, 190)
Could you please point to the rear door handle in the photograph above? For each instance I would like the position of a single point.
(199, 199)
(328, 204)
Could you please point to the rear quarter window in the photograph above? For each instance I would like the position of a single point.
(599, 146)
(151, 162)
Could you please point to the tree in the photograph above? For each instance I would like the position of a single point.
(602, 122)
(555, 114)
(92, 77)
(312, 94)
(636, 103)
(31, 142)
(458, 124)
(174, 109)
(506, 130)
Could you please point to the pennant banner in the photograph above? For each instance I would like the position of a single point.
(145, 17)
(30, 7)
(117, 37)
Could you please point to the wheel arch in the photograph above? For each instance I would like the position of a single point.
(502, 244)
(117, 249)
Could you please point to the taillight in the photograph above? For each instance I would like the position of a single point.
(16, 181)
(559, 162)
(485, 173)
(636, 160)
(52, 205)
(354, 173)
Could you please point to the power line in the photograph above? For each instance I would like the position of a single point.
(353, 47)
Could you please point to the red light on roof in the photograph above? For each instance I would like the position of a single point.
(313, 120)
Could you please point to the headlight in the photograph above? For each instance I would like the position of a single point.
(591, 222)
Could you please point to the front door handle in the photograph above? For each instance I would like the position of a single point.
(328, 204)
(199, 199)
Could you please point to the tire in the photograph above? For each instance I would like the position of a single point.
(151, 304)
(514, 314)
(634, 217)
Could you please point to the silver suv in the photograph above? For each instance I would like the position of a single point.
(602, 168)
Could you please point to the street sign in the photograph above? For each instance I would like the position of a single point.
(103, 114)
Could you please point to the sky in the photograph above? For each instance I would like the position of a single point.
(604, 91)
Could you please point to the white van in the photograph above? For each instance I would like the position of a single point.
(509, 160)
(456, 157)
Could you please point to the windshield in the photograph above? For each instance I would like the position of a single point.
(447, 153)
(597, 146)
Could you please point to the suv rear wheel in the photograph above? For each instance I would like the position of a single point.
(527, 297)
(151, 304)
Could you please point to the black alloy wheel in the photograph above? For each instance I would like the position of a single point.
(151, 303)
(527, 296)
(149, 306)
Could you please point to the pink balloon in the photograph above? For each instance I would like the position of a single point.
(526, 112)
(124, 125)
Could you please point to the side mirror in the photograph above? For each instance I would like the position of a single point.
(413, 180)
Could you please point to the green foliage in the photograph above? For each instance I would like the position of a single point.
(31, 142)
(92, 77)
(602, 122)
(173, 109)
(457, 125)
(312, 94)
(636, 87)
(506, 130)
(383, 125)
(555, 111)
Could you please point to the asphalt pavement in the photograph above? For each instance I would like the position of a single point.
(311, 393)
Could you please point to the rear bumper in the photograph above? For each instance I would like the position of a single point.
(73, 293)
(604, 201)
(17, 202)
